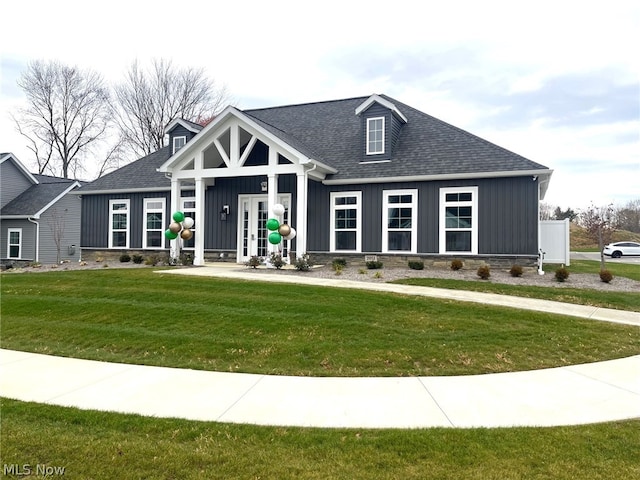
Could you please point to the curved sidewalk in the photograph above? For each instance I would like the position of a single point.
(572, 395)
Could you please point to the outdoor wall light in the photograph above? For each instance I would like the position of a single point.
(224, 212)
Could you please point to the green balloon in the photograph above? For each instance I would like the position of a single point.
(275, 238)
(178, 216)
(273, 224)
(170, 235)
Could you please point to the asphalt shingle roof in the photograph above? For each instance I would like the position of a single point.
(36, 197)
(330, 132)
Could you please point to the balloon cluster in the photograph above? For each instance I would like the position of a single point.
(181, 225)
(278, 230)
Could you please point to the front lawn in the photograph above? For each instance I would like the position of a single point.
(141, 317)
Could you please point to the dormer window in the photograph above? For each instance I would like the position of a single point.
(375, 136)
(178, 143)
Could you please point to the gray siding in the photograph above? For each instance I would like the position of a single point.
(28, 238)
(64, 215)
(507, 214)
(13, 182)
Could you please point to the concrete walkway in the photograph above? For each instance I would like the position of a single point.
(571, 395)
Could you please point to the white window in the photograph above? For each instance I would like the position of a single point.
(459, 220)
(375, 135)
(14, 243)
(346, 222)
(400, 221)
(154, 224)
(188, 207)
(178, 143)
(119, 224)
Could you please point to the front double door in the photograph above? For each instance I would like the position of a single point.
(254, 236)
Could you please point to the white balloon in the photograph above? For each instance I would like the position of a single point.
(278, 209)
(291, 235)
(187, 222)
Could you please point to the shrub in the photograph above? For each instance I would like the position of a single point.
(374, 264)
(456, 264)
(125, 257)
(303, 264)
(151, 260)
(362, 271)
(339, 263)
(377, 275)
(484, 272)
(137, 258)
(276, 260)
(186, 259)
(562, 274)
(416, 264)
(515, 271)
(254, 262)
(338, 269)
(606, 276)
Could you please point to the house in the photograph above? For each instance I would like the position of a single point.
(39, 216)
(357, 177)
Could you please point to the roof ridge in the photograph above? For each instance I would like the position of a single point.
(306, 104)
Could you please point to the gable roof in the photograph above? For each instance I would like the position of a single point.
(39, 197)
(329, 134)
(10, 156)
(191, 126)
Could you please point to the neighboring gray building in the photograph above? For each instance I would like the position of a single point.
(359, 176)
(38, 215)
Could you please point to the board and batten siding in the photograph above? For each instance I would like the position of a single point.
(507, 214)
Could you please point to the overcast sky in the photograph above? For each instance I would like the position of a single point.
(554, 81)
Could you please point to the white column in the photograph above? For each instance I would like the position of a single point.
(272, 199)
(198, 257)
(175, 206)
(301, 214)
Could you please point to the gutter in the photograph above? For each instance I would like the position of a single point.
(444, 176)
(37, 224)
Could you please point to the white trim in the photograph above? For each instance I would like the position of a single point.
(173, 146)
(180, 121)
(368, 142)
(332, 225)
(9, 244)
(414, 218)
(445, 176)
(385, 103)
(189, 212)
(145, 230)
(473, 203)
(127, 211)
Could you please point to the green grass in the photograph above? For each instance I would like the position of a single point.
(606, 299)
(142, 317)
(96, 445)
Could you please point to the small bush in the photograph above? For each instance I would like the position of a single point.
(276, 260)
(152, 260)
(138, 259)
(374, 264)
(562, 274)
(338, 269)
(125, 257)
(253, 262)
(303, 264)
(377, 275)
(456, 264)
(339, 262)
(186, 259)
(362, 271)
(416, 264)
(484, 272)
(515, 271)
(606, 276)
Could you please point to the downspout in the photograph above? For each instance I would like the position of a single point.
(37, 224)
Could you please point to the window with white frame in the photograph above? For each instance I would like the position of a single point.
(178, 143)
(400, 221)
(153, 234)
(346, 222)
(459, 220)
(119, 223)
(188, 207)
(375, 135)
(14, 243)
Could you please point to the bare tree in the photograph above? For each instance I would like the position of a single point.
(600, 224)
(57, 225)
(628, 216)
(148, 100)
(66, 115)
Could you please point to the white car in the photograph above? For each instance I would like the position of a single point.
(618, 249)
